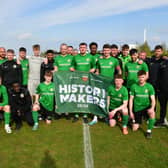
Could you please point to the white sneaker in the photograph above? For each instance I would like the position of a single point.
(165, 122)
(8, 129)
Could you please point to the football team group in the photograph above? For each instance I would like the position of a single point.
(27, 88)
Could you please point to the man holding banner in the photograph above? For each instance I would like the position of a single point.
(86, 63)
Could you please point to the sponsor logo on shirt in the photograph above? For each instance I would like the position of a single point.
(110, 63)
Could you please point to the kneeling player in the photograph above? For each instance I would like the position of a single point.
(44, 101)
(142, 103)
(21, 104)
(5, 107)
(117, 101)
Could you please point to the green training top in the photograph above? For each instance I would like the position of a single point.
(132, 68)
(3, 96)
(83, 63)
(2, 61)
(25, 70)
(63, 63)
(141, 96)
(124, 60)
(107, 66)
(46, 92)
(117, 97)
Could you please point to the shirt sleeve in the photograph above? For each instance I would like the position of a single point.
(151, 90)
(125, 94)
(145, 67)
(132, 90)
(38, 89)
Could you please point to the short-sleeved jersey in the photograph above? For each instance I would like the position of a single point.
(142, 96)
(107, 66)
(46, 92)
(131, 69)
(83, 62)
(124, 60)
(117, 97)
(63, 63)
(34, 67)
(3, 96)
(25, 71)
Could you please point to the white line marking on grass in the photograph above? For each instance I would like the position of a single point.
(87, 147)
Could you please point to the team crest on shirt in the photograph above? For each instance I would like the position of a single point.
(146, 90)
(119, 95)
(14, 66)
(69, 60)
(21, 95)
(110, 63)
(88, 59)
(51, 89)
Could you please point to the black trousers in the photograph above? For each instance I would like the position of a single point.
(163, 100)
(19, 115)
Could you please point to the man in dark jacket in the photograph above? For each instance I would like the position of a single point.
(10, 71)
(163, 96)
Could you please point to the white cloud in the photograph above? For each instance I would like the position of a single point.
(24, 36)
(89, 9)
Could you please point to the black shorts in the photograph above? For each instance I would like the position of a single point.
(140, 114)
(117, 115)
(45, 114)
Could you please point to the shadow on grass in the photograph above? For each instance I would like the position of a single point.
(48, 161)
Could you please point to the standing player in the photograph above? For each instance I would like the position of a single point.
(93, 50)
(4, 106)
(163, 96)
(86, 63)
(25, 66)
(69, 50)
(117, 102)
(44, 100)
(114, 51)
(133, 67)
(63, 62)
(83, 61)
(124, 57)
(11, 72)
(107, 65)
(2, 55)
(142, 103)
(48, 65)
(35, 62)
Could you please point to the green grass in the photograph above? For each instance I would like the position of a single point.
(60, 145)
(111, 149)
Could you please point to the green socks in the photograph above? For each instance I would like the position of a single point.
(151, 123)
(7, 118)
(35, 116)
(125, 120)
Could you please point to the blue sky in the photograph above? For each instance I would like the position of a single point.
(52, 22)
